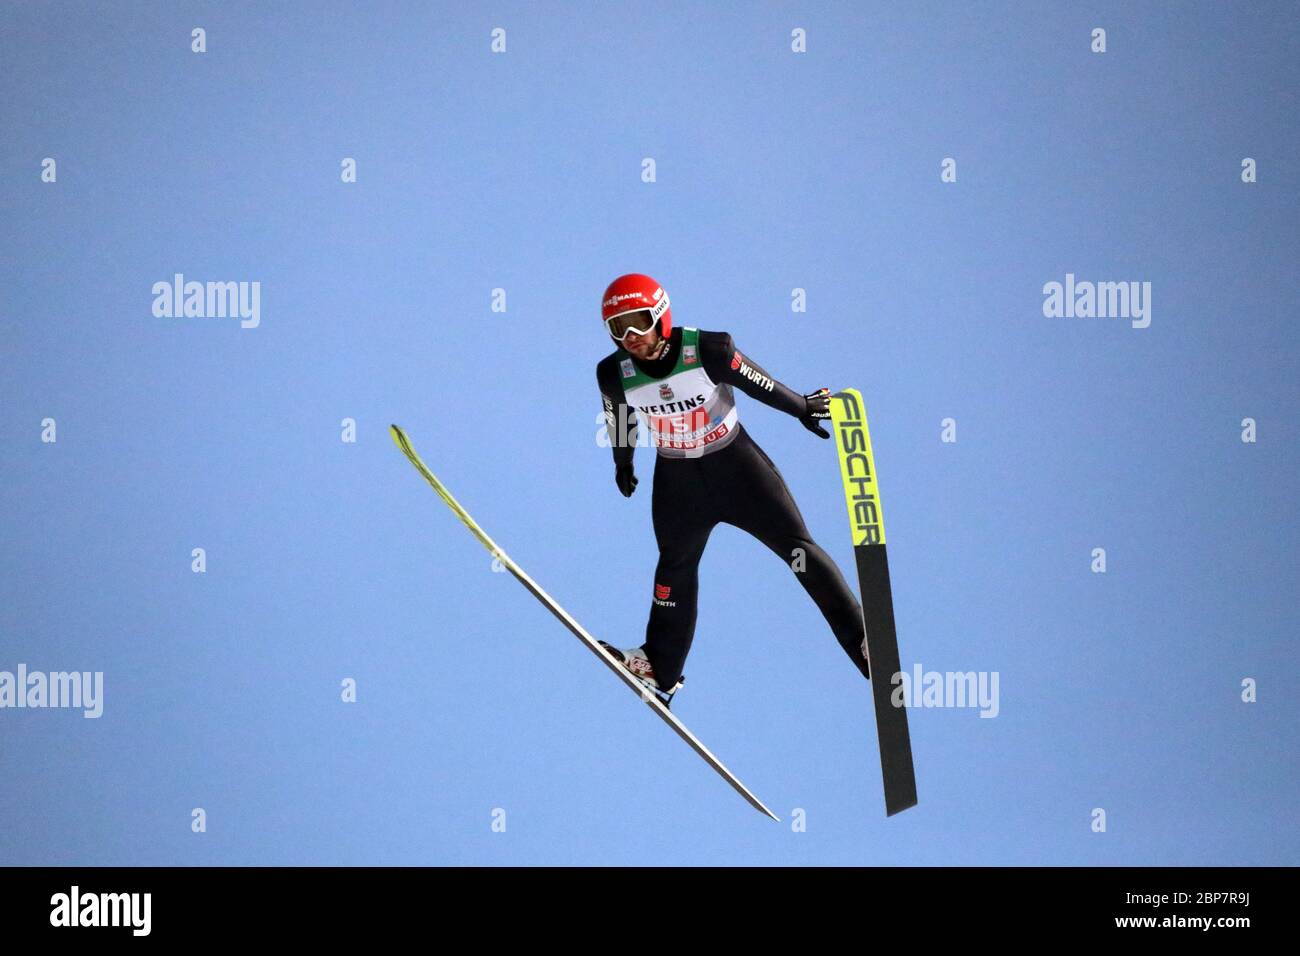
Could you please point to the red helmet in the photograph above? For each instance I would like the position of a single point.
(631, 294)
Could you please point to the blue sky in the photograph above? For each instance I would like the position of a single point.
(330, 560)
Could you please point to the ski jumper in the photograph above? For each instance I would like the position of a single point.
(709, 470)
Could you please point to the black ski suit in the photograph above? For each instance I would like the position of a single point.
(736, 484)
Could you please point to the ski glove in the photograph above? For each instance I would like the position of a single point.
(819, 409)
(625, 479)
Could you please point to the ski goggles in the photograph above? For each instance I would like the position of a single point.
(640, 321)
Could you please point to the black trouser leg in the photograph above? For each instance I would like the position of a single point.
(682, 525)
(765, 508)
(822, 579)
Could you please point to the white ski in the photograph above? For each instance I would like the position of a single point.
(574, 627)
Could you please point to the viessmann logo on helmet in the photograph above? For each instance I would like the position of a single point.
(616, 299)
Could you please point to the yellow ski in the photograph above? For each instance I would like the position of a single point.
(399, 437)
(867, 526)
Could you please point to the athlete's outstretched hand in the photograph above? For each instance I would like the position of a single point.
(819, 409)
(625, 479)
